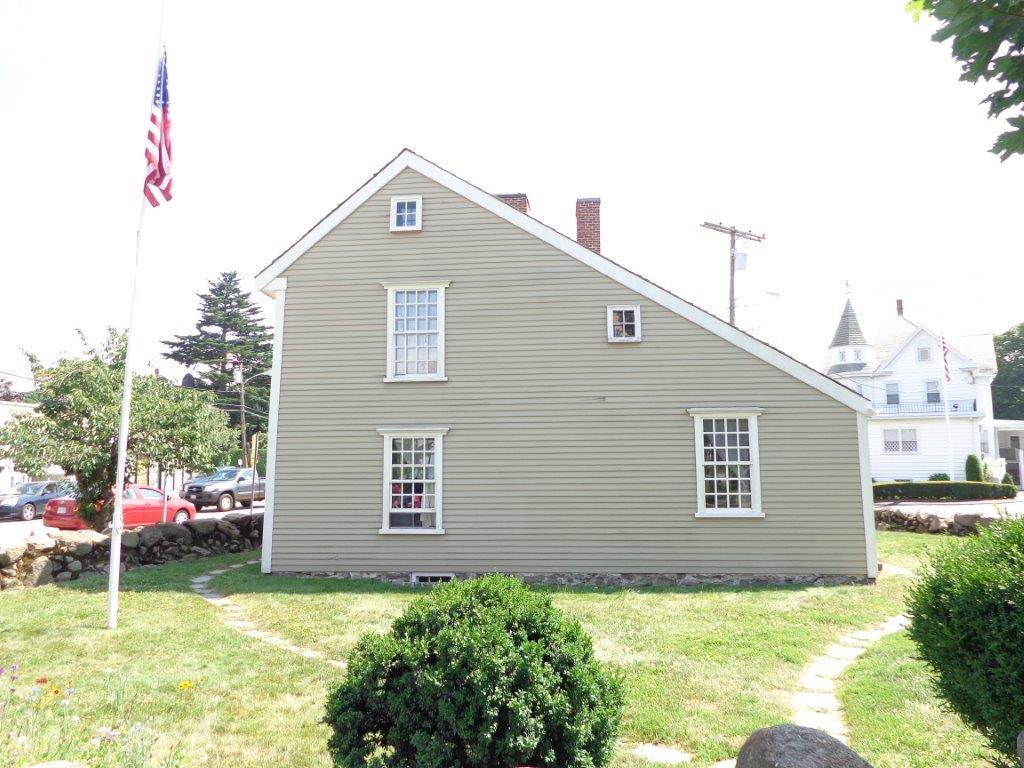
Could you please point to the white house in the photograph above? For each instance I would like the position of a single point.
(902, 374)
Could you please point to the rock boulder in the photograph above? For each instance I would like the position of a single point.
(793, 746)
(11, 554)
(38, 573)
(203, 526)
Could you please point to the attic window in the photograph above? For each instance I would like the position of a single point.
(407, 214)
(924, 354)
(624, 323)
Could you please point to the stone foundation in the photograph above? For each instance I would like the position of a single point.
(404, 578)
(68, 555)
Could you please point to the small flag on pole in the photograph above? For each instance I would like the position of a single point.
(157, 187)
(945, 356)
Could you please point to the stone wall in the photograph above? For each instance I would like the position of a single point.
(927, 520)
(68, 555)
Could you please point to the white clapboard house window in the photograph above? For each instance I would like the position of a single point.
(415, 345)
(412, 480)
(624, 322)
(728, 466)
(900, 440)
(407, 214)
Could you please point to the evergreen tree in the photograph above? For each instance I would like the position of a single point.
(230, 332)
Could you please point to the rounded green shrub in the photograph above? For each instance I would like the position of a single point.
(478, 674)
(972, 469)
(968, 624)
(938, 476)
(1008, 480)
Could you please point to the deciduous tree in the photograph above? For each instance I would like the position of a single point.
(76, 422)
(988, 40)
(1008, 385)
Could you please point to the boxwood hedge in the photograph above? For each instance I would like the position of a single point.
(940, 490)
(478, 674)
(967, 611)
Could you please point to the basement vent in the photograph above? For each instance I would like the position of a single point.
(431, 578)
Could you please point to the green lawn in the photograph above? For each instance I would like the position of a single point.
(703, 666)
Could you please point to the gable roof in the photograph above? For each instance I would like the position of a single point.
(848, 331)
(409, 159)
(978, 349)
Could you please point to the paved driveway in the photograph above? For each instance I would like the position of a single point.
(17, 531)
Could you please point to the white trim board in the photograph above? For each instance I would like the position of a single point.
(266, 556)
(409, 159)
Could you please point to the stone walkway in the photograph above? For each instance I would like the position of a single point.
(236, 618)
(815, 705)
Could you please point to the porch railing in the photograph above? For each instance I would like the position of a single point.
(955, 406)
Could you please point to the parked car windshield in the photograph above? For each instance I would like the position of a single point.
(224, 474)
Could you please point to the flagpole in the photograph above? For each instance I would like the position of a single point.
(117, 521)
(945, 406)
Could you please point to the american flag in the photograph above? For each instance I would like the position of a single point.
(157, 187)
(945, 356)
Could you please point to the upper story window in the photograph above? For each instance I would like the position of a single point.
(407, 214)
(892, 393)
(412, 480)
(415, 347)
(624, 323)
(932, 392)
(842, 355)
(857, 355)
(924, 354)
(728, 471)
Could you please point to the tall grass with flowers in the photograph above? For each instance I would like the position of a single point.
(39, 722)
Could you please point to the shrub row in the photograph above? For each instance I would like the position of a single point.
(958, 490)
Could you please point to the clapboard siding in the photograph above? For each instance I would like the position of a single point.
(564, 452)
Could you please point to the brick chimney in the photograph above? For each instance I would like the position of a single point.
(899, 307)
(588, 223)
(517, 200)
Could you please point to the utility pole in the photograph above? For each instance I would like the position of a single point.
(734, 235)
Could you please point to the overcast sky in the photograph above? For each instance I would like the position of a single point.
(840, 131)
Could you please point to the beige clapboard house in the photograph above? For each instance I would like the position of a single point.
(458, 389)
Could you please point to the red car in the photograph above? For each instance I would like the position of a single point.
(143, 505)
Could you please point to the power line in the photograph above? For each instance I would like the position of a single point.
(734, 235)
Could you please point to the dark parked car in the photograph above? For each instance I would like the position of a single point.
(28, 501)
(224, 488)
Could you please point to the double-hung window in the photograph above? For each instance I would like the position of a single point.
(412, 480)
(728, 471)
(900, 440)
(892, 393)
(415, 346)
(932, 392)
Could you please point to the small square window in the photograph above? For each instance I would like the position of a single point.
(624, 323)
(924, 354)
(406, 214)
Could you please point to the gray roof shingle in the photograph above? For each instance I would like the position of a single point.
(848, 331)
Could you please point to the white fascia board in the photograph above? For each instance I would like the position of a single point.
(884, 367)
(633, 281)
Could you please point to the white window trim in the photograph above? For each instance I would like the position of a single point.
(751, 414)
(418, 199)
(440, 287)
(899, 435)
(608, 323)
(438, 434)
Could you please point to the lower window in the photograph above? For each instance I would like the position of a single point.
(412, 481)
(728, 475)
(900, 440)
